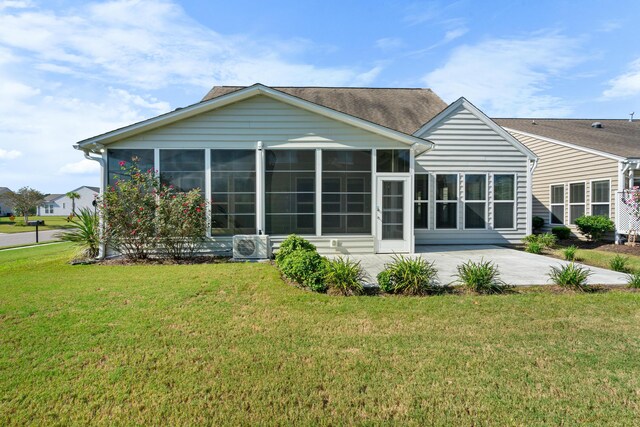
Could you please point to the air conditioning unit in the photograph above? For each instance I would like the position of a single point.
(251, 247)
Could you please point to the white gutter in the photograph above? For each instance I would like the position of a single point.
(102, 250)
(532, 167)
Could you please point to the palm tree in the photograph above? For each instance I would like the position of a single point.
(73, 195)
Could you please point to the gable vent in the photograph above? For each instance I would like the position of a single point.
(596, 125)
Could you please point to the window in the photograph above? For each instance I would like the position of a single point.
(290, 188)
(346, 192)
(184, 169)
(504, 201)
(143, 158)
(447, 201)
(576, 201)
(475, 201)
(48, 208)
(421, 201)
(600, 198)
(392, 161)
(64, 205)
(233, 192)
(557, 204)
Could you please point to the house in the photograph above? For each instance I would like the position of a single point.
(5, 208)
(63, 205)
(584, 167)
(354, 170)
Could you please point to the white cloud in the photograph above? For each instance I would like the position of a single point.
(9, 154)
(508, 77)
(83, 167)
(15, 4)
(626, 84)
(454, 34)
(389, 43)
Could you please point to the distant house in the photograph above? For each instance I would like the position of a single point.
(5, 208)
(584, 167)
(62, 205)
(354, 170)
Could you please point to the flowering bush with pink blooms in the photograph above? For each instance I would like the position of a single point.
(144, 217)
(631, 198)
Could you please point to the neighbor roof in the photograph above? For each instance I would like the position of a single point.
(618, 137)
(52, 197)
(4, 190)
(404, 110)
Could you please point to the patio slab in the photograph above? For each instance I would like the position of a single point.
(516, 267)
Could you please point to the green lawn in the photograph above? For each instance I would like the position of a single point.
(600, 258)
(232, 344)
(17, 226)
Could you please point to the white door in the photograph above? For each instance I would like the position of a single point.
(393, 214)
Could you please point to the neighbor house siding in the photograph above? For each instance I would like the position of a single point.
(465, 144)
(558, 164)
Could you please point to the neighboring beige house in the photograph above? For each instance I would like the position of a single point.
(584, 167)
(62, 205)
(5, 209)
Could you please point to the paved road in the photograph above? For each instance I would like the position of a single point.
(13, 239)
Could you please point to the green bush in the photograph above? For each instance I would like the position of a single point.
(533, 248)
(85, 233)
(482, 277)
(594, 227)
(569, 253)
(547, 240)
(561, 232)
(535, 243)
(345, 276)
(570, 276)
(633, 280)
(307, 268)
(619, 263)
(410, 276)
(537, 222)
(290, 244)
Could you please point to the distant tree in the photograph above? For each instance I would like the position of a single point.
(73, 195)
(24, 200)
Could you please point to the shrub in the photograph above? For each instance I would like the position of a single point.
(534, 248)
(537, 222)
(306, 267)
(535, 243)
(570, 276)
(181, 222)
(594, 227)
(290, 244)
(345, 276)
(547, 240)
(84, 233)
(481, 277)
(569, 253)
(561, 232)
(633, 280)
(619, 263)
(411, 276)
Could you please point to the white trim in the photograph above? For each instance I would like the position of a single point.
(95, 142)
(208, 188)
(436, 201)
(514, 200)
(374, 199)
(156, 161)
(567, 144)
(318, 192)
(564, 203)
(569, 184)
(591, 202)
(485, 201)
(260, 190)
(462, 102)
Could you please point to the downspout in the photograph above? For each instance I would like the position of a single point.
(532, 167)
(102, 249)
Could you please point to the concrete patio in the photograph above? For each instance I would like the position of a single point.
(516, 267)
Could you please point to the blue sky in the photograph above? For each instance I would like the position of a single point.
(74, 69)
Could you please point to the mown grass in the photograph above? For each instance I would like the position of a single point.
(599, 258)
(17, 225)
(229, 344)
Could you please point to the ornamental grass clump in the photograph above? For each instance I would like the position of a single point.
(619, 263)
(84, 233)
(345, 276)
(482, 277)
(409, 276)
(570, 276)
(633, 280)
(536, 243)
(569, 253)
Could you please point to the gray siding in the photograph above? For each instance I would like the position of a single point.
(465, 144)
(558, 164)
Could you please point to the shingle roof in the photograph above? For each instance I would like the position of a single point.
(618, 137)
(96, 189)
(4, 190)
(404, 110)
(52, 197)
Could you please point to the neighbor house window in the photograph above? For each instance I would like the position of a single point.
(600, 198)
(48, 209)
(447, 201)
(290, 186)
(392, 161)
(233, 192)
(142, 158)
(183, 169)
(557, 204)
(475, 201)
(421, 201)
(576, 201)
(346, 192)
(504, 201)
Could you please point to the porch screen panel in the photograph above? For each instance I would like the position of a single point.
(447, 201)
(290, 192)
(233, 192)
(421, 201)
(600, 198)
(396, 161)
(346, 192)
(504, 201)
(184, 169)
(576, 201)
(142, 158)
(475, 201)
